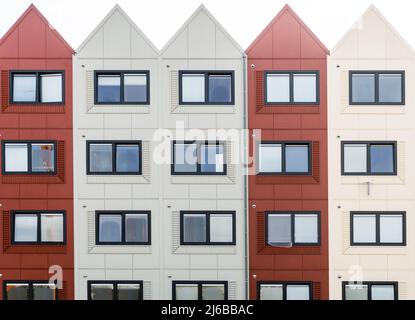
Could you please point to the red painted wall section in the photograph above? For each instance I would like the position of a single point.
(33, 44)
(288, 44)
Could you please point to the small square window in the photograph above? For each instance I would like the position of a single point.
(128, 291)
(187, 292)
(24, 87)
(271, 292)
(355, 158)
(305, 88)
(17, 291)
(109, 88)
(213, 292)
(44, 291)
(104, 291)
(52, 227)
(298, 292)
(390, 88)
(364, 228)
(357, 292)
(51, 88)
(306, 228)
(100, 157)
(382, 292)
(278, 88)
(185, 158)
(199, 290)
(43, 157)
(135, 88)
(279, 230)
(212, 158)
(363, 88)
(270, 158)
(194, 228)
(220, 88)
(221, 228)
(110, 228)
(136, 227)
(128, 158)
(25, 228)
(16, 157)
(381, 158)
(296, 158)
(193, 88)
(284, 291)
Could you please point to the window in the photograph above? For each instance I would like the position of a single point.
(114, 157)
(378, 229)
(198, 158)
(115, 290)
(29, 290)
(29, 157)
(370, 291)
(207, 228)
(122, 87)
(38, 227)
(368, 158)
(292, 87)
(123, 228)
(284, 291)
(288, 158)
(37, 87)
(200, 290)
(205, 87)
(377, 87)
(285, 229)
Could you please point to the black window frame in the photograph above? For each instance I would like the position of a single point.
(284, 144)
(199, 287)
(206, 74)
(38, 74)
(284, 284)
(31, 283)
(291, 74)
(122, 213)
(121, 73)
(199, 171)
(376, 73)
(29, 143)
(115, 283)
(208, 214)
(395, 284)
(377, 242)
(368, 172)
(293, 214)
(114, 144)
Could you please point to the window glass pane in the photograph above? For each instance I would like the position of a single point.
(128, 159)
(305, 88)
(390, 88)
(194, 228)
(278, 88)
(136, 228)
(391, 228)
(213, 292)
(185, 158)
(100, 157)
(135, 88)
(306, 228)
(187, 292)
(17, 291)
(364, 228)
(212, 158)
(296, 158)
(25, 227)
(109, 88)
(270, 158)
(279, 229)
(51, 227)
(44, 291)
(102, 291)
(356, 292)
(24, 88)
(221, 228)
(355, 158)
(43, 157)
(381, 158)
(271, 292)
(382, 292)
(193, 87)
(51, 87)
(16, 157)
(363, 88)
(298, 292)
(220, 88)
(128, 291)
(109, 228)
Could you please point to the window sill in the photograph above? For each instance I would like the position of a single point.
(200, 179)
(376, 250)
(118, 179)
(119, 108)
(221, 109)
(120, 249)
(208, 249)
(33, 249)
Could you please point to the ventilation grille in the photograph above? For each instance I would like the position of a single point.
(89, 89)
(174, 89)
(175, 230)
(91, 230)
(147, 290)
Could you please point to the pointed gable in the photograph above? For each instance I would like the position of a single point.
(372, 37)
(33, 37)
(287, 36)
(117, 36)
(202, 36)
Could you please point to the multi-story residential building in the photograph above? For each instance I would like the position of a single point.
(371, 133)
(288, 201)
(36, 198)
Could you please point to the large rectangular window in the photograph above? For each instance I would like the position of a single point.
(270, 290)
(200, 290)
(377, 228)
(292, 87)
(114, 157)
(377, 87)
(115, 290)
(206, 87)
(29, 290)
(123, 228)
(122, 87)
(368, 158)
(207, 228)
(370, 290)
(37, 87)
(198, 158)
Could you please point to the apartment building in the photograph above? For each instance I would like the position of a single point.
(371, 176)
(36, 198)
(288, 200)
